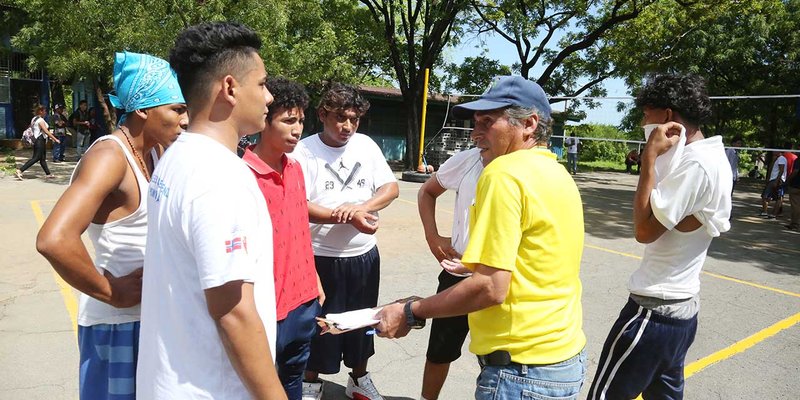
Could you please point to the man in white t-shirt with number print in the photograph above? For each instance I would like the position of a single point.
(459, 173)
(682, 202)
(208, 311)
(347, 182)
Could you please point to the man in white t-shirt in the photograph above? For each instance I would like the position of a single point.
(774, 189)
(572, 153)
(459, 173)
(208, 309)
(347, 182)
(680, 205)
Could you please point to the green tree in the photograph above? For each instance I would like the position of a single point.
(414, 33)
(598, 150)
(741, 48)
(565, 38)
(309, 40)
(473, 75)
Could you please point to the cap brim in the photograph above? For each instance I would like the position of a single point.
(465, 111)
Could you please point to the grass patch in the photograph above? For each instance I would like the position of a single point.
(9, 164)
(600, 165)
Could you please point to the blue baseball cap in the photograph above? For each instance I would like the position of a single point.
(507, 91)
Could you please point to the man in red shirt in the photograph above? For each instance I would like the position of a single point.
(298, 291)
(790, 157)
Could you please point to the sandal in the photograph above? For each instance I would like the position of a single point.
(19, 174)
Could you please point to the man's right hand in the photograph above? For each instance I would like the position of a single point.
(442, 248)
(364, 222)
(126, 291)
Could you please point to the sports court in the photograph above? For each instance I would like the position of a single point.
(746, 346)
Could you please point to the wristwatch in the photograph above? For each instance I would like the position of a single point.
(412, 321)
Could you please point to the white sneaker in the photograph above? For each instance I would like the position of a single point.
(312, 390)
(362, 388)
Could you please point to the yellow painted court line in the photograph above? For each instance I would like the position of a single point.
(741, 345)
(772, 289)
(70, 302)
(612, 251)
(718, 276)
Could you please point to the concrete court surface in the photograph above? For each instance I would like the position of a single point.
(747, 345)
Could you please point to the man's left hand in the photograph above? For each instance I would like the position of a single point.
(345, 212)
(393, 321)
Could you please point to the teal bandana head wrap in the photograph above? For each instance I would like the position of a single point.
(143, 81)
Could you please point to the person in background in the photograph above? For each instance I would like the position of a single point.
(573, 145)
(41, 131)
(632, 159)
(793, 188)
(59, 123)
(94, 125)
(80, 120)
(774, 190)
(733, 159)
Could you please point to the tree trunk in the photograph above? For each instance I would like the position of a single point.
(109, 114)
(413, 104)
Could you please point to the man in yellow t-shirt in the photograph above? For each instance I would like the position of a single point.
(526, 240)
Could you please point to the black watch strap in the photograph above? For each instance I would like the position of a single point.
(411, 320)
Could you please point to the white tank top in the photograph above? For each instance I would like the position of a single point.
(119, 249)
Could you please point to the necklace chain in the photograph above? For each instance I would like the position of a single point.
(136, 153)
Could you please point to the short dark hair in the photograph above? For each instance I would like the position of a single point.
(207, 51)
(287, 94)
(83, 102)
(737, 138)
(684, 94)
(341, 96)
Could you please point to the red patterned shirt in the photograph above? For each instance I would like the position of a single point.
(294, 271)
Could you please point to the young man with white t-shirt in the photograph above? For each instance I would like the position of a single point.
(208, 309)
(459, 173)
(682, 202)
(347, 182)
(774, 189)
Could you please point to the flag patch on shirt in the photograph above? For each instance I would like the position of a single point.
(237, 243)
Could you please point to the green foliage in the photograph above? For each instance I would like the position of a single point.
(578, 61)
(474, 75)
(740, 47)
(596, 150)
(308, 40)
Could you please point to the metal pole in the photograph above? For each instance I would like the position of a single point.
(424, 113)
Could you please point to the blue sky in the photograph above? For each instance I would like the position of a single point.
(501, 50)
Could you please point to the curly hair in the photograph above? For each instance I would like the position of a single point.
(343, 97)
(287, 94)
(210, 50)
(684, 94)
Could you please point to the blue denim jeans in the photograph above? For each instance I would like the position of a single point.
(572, 162)
(58, 148)
(293, 346)
(542, 382)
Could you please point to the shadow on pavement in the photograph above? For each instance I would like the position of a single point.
(608, 214)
